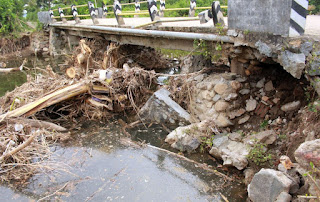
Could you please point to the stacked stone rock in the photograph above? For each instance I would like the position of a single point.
(229, 99)
(215, 97)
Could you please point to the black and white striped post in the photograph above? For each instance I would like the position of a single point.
(192, 11)
(217, 14)
(205, 16)
(137, 8)
(104, 10)
(93, 13)
(153, 10)
(51, 16)
(75, 13)
(162, 7)
(61, 14)
(117, 9)
(298, 15)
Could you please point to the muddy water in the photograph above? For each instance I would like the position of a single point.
(98, 165)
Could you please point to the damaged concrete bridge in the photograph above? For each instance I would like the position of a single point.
(277, 31)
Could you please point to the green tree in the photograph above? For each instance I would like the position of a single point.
(11, 12)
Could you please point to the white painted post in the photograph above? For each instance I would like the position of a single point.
(298, 15)
(51, 16)
(75, 14)
(205, 16)
(193, 4)
(217, 14)
(117, 10)
(153, 10)
(105, 10)
(93, 13)
(61, 14)
(137, 8)
(162, 7)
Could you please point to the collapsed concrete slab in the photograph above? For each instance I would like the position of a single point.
(160, 108)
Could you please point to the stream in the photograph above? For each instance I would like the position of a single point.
(99, 165)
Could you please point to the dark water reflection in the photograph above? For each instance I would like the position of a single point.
(8, 81)
(102, 168)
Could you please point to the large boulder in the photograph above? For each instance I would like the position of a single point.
(269, 185)
(188, 138)
(293, 63)
(161, 108)
(231, 152)
(308, 152)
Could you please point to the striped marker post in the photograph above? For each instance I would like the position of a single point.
(217, 14)
(298, 15)
(117, 9)
(137, 7)
(162, 7)
(192, 11)
(51, 16)
(205, 16)
(104, 10)
(153, 10)
(61, 14)
(93, 13)
(75, 14)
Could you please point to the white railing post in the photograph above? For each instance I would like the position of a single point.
(193, 4)
(61, 14)
(137, 7)
(93, 13)
(162, 7)
(153, 10)
(118, 10)
(104, 10)
(75, 13)
(217, 14)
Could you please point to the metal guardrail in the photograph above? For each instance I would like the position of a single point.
(212, 12)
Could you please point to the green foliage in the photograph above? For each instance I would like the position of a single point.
(316, 5)
(11, 17)
(258, 154)
(264, 124)
(206, 143)
(313, 176)
(202, 47)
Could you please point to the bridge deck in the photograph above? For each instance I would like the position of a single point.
(312, 25)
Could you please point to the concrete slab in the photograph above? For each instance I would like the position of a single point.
(312, 25)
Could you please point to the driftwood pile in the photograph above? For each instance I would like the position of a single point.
(92, 87)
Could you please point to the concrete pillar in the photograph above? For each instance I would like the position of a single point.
(285, 17)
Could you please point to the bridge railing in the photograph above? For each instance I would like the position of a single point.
(210, 12)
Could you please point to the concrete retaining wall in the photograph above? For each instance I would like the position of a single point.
(269, 16)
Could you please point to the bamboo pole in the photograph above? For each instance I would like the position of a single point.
(48, 100)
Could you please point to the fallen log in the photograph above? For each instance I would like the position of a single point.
(48, 100)
(7, 70)
(37, 124)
